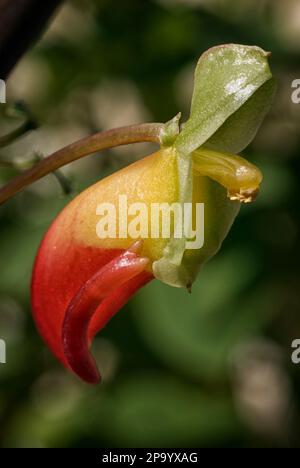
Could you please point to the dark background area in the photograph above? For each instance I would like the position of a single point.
(208, 369)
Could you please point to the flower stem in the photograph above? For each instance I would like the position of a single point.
(91, 144)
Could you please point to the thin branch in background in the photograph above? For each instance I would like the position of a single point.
(29, 162)
(64, 181)
(20, 110)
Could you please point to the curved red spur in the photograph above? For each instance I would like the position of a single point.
(71, 307)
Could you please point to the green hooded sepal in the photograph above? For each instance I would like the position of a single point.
(233, 90)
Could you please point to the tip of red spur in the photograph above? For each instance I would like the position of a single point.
(102, 295)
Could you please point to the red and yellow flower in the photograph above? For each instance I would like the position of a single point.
(80, 281)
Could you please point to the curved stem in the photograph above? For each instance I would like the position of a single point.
(91, 144)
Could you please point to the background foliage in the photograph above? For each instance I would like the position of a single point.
(210, 369)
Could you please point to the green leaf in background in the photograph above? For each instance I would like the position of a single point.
(226, 78)
(195, 334)
(144, 410)
(159, 410)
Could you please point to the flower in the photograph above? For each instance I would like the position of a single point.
(80, 280)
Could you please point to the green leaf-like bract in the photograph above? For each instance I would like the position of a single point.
(233, 91)
(225, 79)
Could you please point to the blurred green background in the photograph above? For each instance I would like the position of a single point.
(208, 369)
